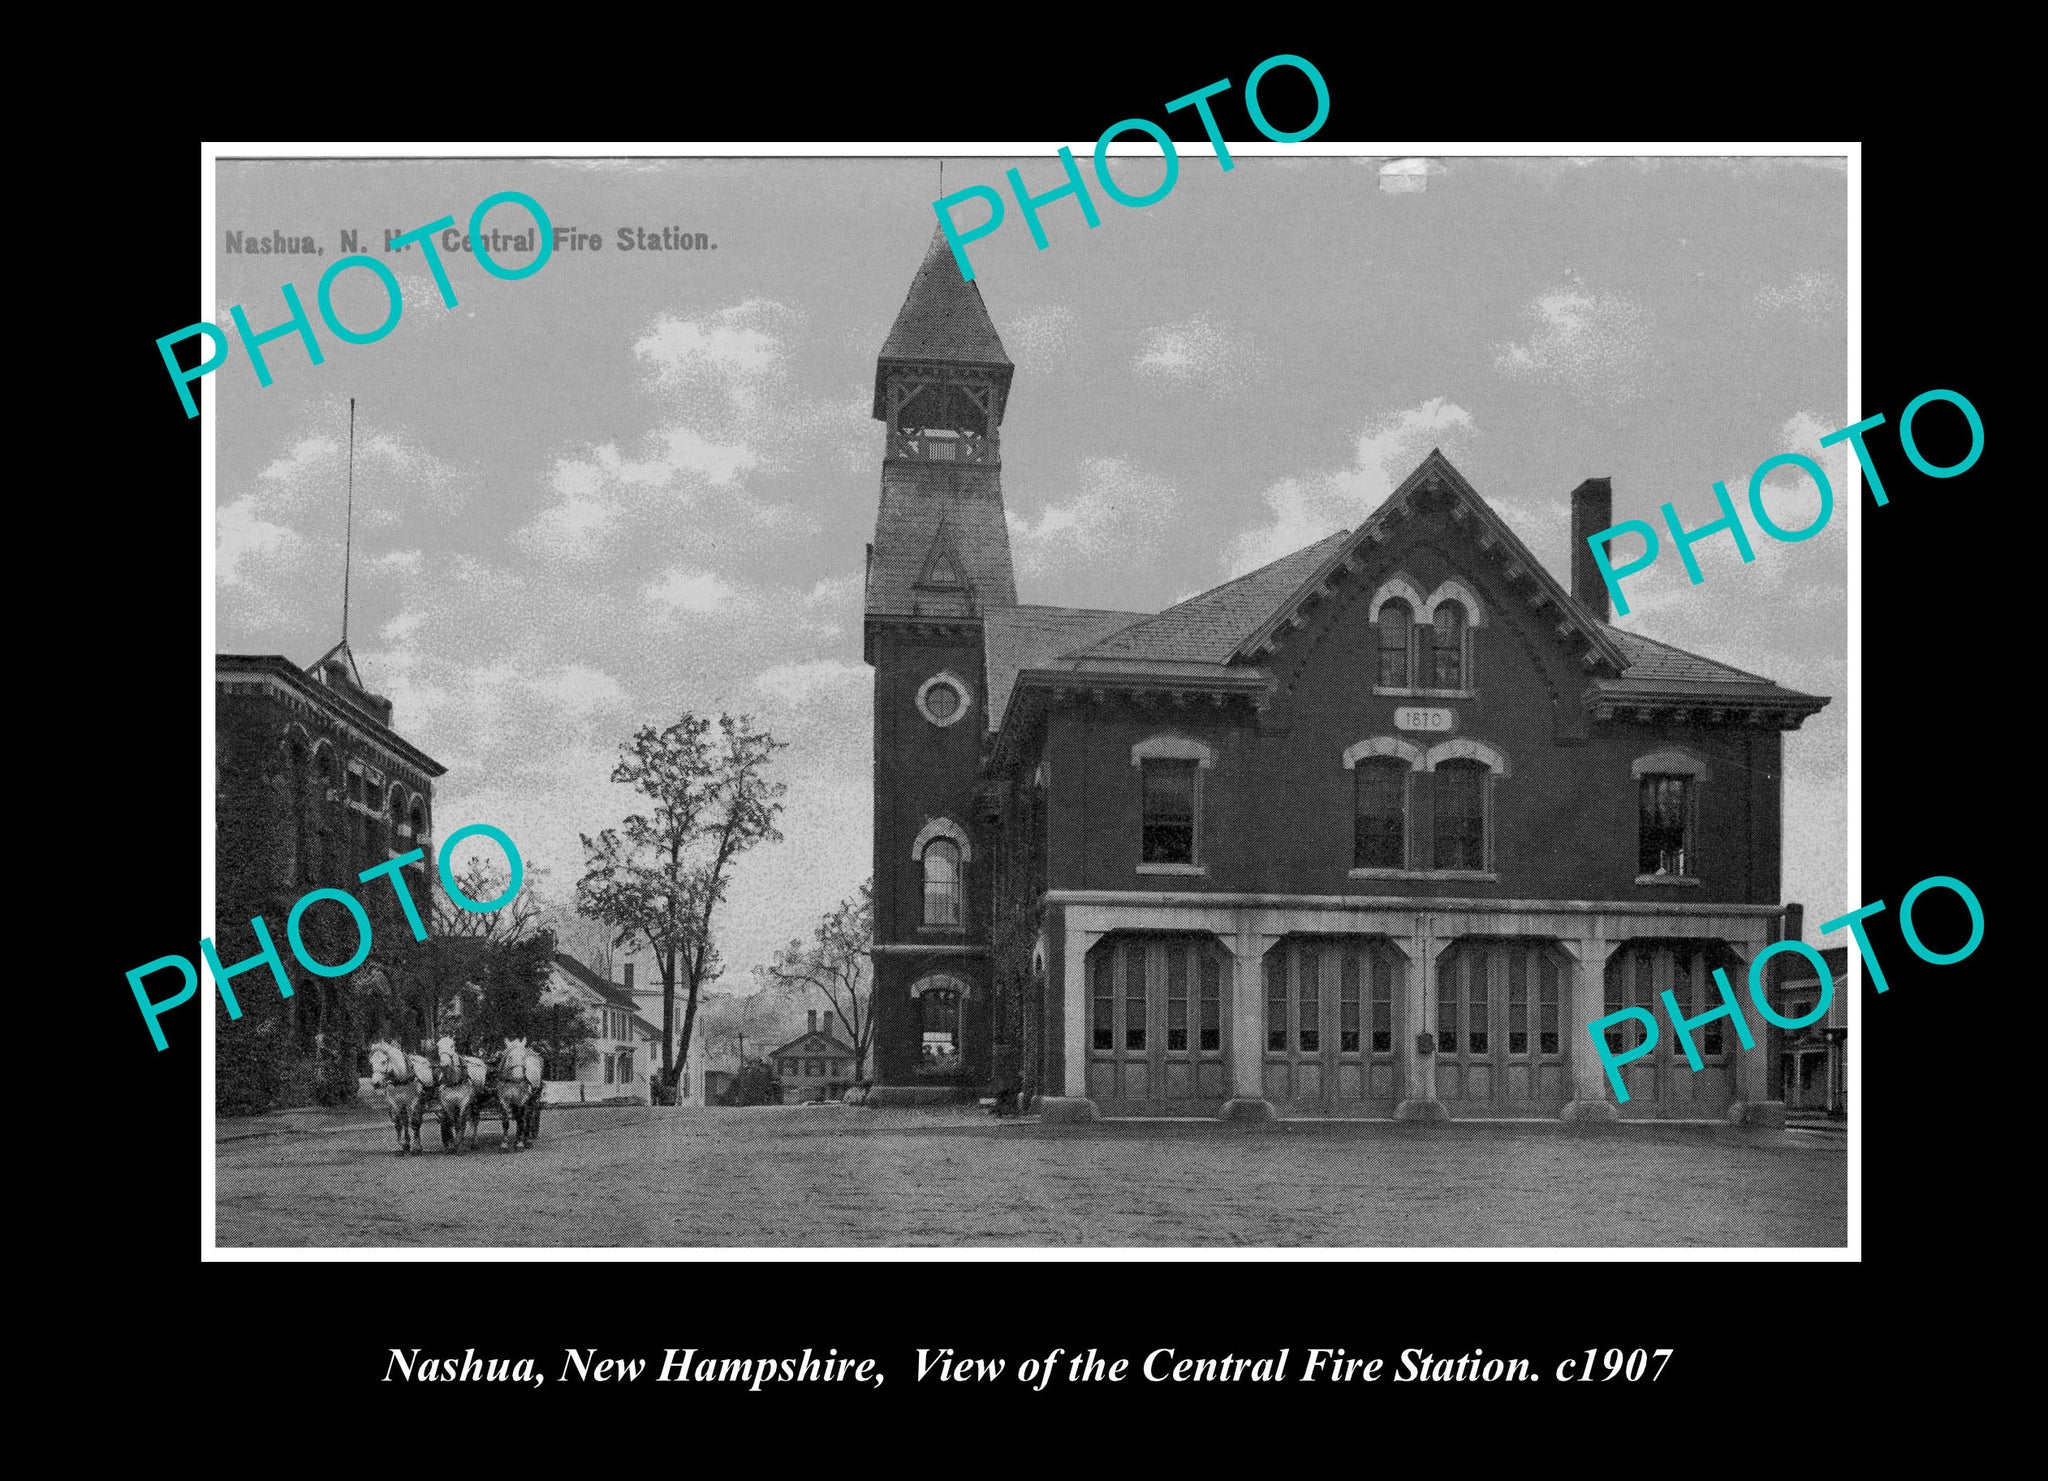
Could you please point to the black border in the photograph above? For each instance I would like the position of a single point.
(1806, 1333)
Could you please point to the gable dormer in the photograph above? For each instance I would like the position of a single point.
(1437, 490)
(944, 571)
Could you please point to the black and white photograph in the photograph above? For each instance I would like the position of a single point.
(1279, 718)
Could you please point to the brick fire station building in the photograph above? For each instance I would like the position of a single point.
(1376, 830)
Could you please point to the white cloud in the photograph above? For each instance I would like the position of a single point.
(575, 530)
(1197, 352)
(580, 689)
(1302, 510)
(797, 683)
(1042, 333)
(241, 534)
(1076, 550)
(392, 474)
(729, 408)
(1595, 345)
(1813, 296)
(693, 591)
(402, 627)
(730, 350)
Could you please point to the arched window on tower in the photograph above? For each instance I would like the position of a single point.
(942, 883)
(1395, 620)
(1447, 653)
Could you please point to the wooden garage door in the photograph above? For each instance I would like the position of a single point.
(1501, 1046)
(1158, 1026)
(1333, 1017)
(1663, 1084)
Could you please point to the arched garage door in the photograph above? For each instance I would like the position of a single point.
(1663, 1084)
(1158, 1026)
(1501, 1043)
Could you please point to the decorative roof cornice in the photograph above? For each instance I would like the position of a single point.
(230, 666)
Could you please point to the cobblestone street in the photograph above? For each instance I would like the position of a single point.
(844, 1176)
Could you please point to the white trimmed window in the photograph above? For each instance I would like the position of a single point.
(1463, 773)
(1667, 812)
(1170, 771)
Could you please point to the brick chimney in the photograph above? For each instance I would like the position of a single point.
(814, 1022)
(1592, 512)
(629, 976)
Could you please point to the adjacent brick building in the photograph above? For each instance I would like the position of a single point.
(313, 786)
(1376, 830)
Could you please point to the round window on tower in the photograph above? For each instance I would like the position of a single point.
(943, 699)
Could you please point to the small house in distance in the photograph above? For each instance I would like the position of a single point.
(813, 1066)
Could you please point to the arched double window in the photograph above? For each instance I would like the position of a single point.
(1424, 643)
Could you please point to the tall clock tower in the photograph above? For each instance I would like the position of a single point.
(939, 561)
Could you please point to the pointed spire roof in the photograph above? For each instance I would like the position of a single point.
(942, 322)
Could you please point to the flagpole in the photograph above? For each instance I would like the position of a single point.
(348, 536)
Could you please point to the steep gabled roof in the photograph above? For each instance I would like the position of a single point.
(832, 1045)
(1210, 628)
(1016, 638)
(613, 993)
(1436, 474)
(942, 322)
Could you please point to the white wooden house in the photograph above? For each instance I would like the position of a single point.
(623, 1052)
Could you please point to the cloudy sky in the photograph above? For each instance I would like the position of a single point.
(640, 483)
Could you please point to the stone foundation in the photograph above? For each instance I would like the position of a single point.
(1246, 1108)
(1590, 1110)
(1757, 1113)
(1060, 1110)
(1421, 1110)
(921, 1095)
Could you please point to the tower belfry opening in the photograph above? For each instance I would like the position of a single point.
(942, 377)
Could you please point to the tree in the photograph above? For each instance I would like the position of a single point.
(731, 1021)
(754, 1085)
(659, 877)
(481, 879)
(834, 964)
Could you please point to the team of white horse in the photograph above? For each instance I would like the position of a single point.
(460, 1087)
